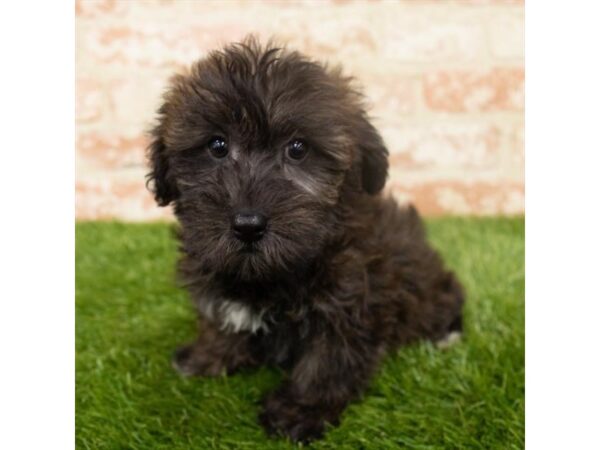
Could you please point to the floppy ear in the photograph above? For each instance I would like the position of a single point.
(373, 157)
(161, 184)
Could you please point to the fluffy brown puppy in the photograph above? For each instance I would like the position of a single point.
(290, 253)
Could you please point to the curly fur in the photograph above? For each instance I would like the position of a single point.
(342, 276)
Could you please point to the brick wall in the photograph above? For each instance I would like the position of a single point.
(445, 80)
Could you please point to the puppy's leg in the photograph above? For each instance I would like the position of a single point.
(450, 299)
(333, 370)
(215, 352)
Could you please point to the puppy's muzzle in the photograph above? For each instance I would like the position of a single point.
(249, 226)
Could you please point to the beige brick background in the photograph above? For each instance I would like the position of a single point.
(445, 80)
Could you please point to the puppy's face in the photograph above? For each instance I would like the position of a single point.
(254, 146)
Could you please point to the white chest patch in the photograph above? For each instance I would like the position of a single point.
(232, 316)
(237, 317)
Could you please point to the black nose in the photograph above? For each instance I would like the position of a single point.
(249, 227)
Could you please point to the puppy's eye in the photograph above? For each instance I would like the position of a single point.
(217, 147)
(296, 149)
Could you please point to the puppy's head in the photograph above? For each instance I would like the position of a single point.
(255, 146)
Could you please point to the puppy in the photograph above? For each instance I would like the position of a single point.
(291, 255)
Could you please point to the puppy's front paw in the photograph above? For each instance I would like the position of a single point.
(281, 415)
(190, 361)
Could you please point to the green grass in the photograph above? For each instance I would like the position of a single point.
(131, 315)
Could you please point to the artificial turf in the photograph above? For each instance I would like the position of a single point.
(131, 315)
